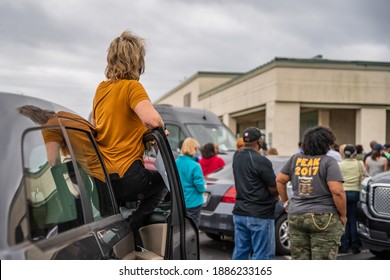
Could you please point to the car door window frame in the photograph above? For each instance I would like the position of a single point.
(64, 129)
(86, 206)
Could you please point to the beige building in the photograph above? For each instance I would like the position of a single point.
(286, 96)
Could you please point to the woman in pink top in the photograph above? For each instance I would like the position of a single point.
(210, 162)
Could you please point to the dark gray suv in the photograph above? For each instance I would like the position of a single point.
(374, 214)
(59, 212)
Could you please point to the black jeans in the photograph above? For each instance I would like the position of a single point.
(194, 213)
(350, 239)
(143, 185)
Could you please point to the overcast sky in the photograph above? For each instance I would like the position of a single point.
(56, 49)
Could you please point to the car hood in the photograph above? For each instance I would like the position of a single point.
(381, 178)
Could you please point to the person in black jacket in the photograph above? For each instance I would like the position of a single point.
(253, 213)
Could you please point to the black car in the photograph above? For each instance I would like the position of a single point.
(374, 215)
(216, 215)
(59, 211)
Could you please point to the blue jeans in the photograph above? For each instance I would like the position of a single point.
(350, 238)
(255, 235)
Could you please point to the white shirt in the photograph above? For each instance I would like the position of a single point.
(334, 154)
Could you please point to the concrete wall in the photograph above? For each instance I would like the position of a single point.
(337, 86)
(282, 126)
(372, 126)
(196, 85)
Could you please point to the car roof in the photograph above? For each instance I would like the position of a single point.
(12, 126)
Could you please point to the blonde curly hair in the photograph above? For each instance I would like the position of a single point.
(125, 58)
(189, 147)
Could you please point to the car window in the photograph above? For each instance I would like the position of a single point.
(91, 173)
(52, 197)
(63, 195)
(175, 136)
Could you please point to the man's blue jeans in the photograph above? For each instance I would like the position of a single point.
(253, 235)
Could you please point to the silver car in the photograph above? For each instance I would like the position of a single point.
(60, 212)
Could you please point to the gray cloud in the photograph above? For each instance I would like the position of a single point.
(56, 49)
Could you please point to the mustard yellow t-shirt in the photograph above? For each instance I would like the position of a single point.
(119, 129)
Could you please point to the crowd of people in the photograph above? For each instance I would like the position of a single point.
(325, 177)
(326, 180)
(354, 165)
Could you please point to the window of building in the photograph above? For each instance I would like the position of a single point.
(308, 119)
(187, 100)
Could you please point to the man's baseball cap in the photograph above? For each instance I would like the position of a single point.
(378, 147)
(251, 134)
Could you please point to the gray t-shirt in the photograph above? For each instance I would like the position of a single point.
(375, 166)
(309, 176)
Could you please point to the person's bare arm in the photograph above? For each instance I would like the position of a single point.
(281, 184)
(53, 153)
(367, 167)
(339, 198)
(386, 164)
(148, 115)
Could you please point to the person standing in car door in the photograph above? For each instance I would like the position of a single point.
(122, 113)
(253, 213)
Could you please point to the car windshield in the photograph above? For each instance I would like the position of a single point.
(217, 134)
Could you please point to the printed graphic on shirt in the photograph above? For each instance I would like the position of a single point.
(305, 170)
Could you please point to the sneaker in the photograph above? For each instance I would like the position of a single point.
(343, 251)
(356, 251)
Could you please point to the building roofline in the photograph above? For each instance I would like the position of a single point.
(197, 75)
(315, 62)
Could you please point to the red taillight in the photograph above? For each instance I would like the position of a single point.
(230, 196)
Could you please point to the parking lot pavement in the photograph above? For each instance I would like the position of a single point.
(222, 250)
